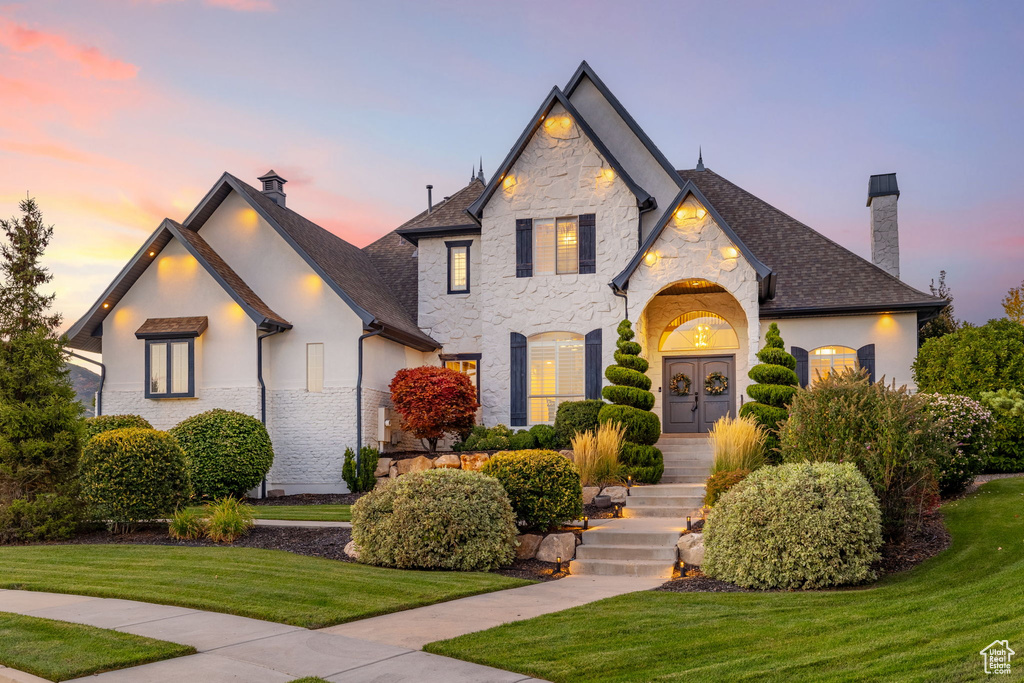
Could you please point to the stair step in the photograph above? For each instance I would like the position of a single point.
(621, 568)
(620, 538)
(681, 502)
(625, 553)
(658, 511)
(666, 490)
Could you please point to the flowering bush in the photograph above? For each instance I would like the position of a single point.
(433, 402)
(969, 426)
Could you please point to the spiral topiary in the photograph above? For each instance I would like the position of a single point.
(776, 383)
(631, 404)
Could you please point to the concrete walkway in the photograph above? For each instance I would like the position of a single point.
(234, 648)
(416, 627)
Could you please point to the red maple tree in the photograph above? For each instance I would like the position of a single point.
(434, 401)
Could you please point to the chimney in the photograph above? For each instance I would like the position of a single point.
(883, 192)
(430, 201)
(273, 187)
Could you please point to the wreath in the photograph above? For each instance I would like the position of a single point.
(715, 384)
(678, 379)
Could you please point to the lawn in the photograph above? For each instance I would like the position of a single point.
(312, 513)
(58, 651)
(928, 624)
(265, 584)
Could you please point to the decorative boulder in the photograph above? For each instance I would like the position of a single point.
(351, 550)
(617, 494)
(393, 472)
(448, 460)
(691, 549)
(417, 464)
(528, 545)
(382, 481)
(557, 545)
(275, 493)
(474, 461)
(567, 453)
(589, 493)
(383, 467)
(603, 501)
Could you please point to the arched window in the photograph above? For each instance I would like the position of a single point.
(557, 370)
(698, 331)
(825, 359)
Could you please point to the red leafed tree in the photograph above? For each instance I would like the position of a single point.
(434, 401)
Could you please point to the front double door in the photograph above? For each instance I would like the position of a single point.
(697, 410)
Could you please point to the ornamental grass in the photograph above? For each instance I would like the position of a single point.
(596, 454)
(738, 444)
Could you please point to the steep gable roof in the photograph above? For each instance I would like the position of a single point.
(447, 217)
(395, 259)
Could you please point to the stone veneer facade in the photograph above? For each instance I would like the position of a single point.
(885, 236)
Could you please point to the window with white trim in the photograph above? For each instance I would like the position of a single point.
(170, 368)
(557, 364)
(315, 367)
(556, 245)
(826, 359)
(467, 364)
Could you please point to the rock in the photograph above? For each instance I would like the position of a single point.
(275, 493)
(351, 550)
(557, 545)
(603, 501)
(691, 549)
(617, 494)
(448, 460)
(568, 454)
(528, 544)
(393, 472)
(383, 467)
(382, 481)
(473, 461)
(417, 464)
(589, 493)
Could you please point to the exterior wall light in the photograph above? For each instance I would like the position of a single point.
(509, 182)
(701, 213)
(681, 213)
(608, 174)
(152, 254)
(730, 252)
(106, 305)
(651, 257)
(557, 124)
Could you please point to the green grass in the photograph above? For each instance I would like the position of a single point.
(58, 651)
(312, 513)
(927, 624)
(265, 584)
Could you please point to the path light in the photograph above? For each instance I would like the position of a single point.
(559, 560)
(629, 484)
(618, 511)
(586, 522)
(689, 527)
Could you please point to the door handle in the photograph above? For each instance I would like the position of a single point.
(696, 401)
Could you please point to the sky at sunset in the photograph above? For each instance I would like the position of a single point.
(117, 113)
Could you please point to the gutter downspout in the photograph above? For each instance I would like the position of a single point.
(625, 300)
(263, 389)
(359, 394)
(103, 377)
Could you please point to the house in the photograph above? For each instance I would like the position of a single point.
(519, 281)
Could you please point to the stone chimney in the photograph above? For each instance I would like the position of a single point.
(273, 186)
(883, 192)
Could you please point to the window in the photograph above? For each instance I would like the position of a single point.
(556, 248)
(556, 361)
(458, 266)
(170, 368)
(315, 367)
(825, 359)
(466, 363)
(698, 331)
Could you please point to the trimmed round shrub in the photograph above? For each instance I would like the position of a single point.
(227, 453)
(720, 482)
(132, 475)
(968, 425)
(644, 463)
(642, 426)
(776, 383)
(631, 361)
(105, 423)
(627, 377)
(546, 436)
(797, 526)
(543, 486)
(574, 417)
(522, 440)
(436, 519)
(629, 396)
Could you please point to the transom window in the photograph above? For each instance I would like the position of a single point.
(557, 371)
(458, 266)
(170, 368)
(556, 245)
(826, 359)
(698, 331)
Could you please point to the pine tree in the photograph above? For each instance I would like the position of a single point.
(944, 322)
(40, 420)
(776, 383)
(631, 406)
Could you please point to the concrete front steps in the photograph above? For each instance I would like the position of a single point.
(628, 547)
(688, 458)
(674, 501)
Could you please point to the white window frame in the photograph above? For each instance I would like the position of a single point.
(814, 373)
(315, 367)
(561, 393)
(561, 265)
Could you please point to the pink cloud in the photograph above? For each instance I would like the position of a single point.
(93, 63)
(243, 5)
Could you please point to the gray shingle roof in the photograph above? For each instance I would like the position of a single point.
(395, 259)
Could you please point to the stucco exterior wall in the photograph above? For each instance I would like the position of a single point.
(451, 319)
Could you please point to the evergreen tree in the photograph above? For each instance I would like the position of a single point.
(40, 420)
(776, 383)
(944, 322)
(631, 406)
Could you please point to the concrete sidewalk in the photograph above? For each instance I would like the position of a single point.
(234, 648)
(416, 627)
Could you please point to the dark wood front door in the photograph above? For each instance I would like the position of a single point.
(695, 412)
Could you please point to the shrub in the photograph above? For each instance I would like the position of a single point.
(886, 432)
(806, 525)
(187, 524)
(632, 403)
(132, 475)
(972, 360)
(105, 423)
(626, 377)
(522, 440)
(365, 478)
(436, 519)
(543, 486)
(434, 401)
(738, 444)
(644, 464)
(775, 386)
(969, 426)
(547, 437)
(229, 519)
(574, 417)
(500, 438)
(642, 427)
(596, 455)
(227, 453)
(1007, 406)
(720, 482)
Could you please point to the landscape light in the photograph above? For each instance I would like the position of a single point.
(586, 522)
(689, 527)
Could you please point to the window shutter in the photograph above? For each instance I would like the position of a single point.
(588, 243)
(866, 359)
(517, 379)
(801, 364)
(593, 363)
(524, 250)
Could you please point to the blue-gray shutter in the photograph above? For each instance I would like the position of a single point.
(524, 247)
(517, 379)
(801, 364)
(593, 363)
(866, 359)
(588, 243)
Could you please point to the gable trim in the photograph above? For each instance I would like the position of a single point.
(414, 235)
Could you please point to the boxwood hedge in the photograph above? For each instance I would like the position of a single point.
(227, 452)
